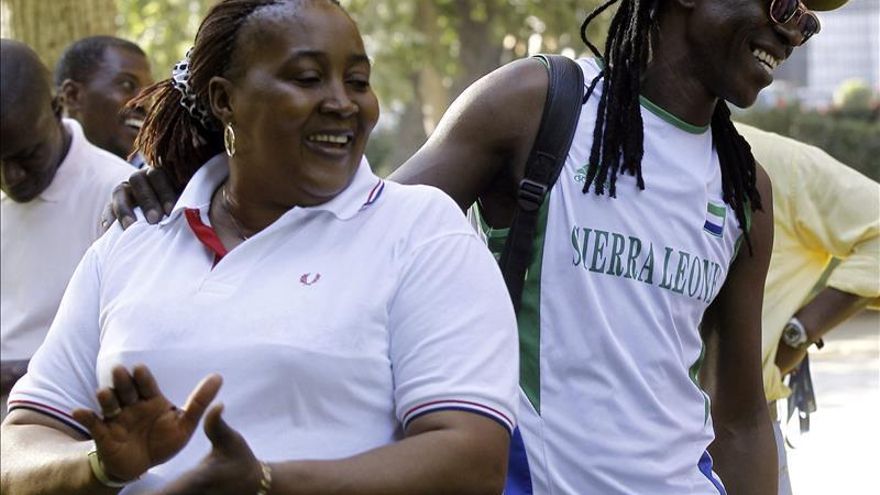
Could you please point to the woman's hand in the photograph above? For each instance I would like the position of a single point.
(141, 428)
(230, 468)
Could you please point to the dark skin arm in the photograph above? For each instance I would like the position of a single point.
(43, 455)
(489, 168)
(828, 309)
(443, 452)
(744, 449)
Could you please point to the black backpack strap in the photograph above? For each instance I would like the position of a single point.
(562, 109)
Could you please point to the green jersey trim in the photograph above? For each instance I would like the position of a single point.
(694, 374)
(529, 316)
(672, 119)
(662, 113)
(739, 240)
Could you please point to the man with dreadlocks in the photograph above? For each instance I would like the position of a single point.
(639, 244)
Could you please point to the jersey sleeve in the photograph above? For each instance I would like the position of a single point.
(838, 212)
(453, 331)
(61, 375)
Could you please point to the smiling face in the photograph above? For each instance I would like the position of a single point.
(300, 102)
(99, 102)
(734, 47)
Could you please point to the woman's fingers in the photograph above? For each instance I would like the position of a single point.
(89, 420)
(144, 382)
(110, 407)
(124, 387)
(200, 398)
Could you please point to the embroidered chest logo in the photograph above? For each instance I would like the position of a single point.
(581, 174)
(716, 214)
(308, 279)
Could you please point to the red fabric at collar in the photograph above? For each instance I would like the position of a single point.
(205, 234)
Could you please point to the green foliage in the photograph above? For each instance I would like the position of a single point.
(425, 52)
(165, 29)
(461, 39)
(855, 99)
(855, 142)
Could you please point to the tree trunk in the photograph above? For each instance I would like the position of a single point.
(429, 85)
(49, 26)
(480, 52)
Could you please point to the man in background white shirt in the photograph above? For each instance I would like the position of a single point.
(53, 185)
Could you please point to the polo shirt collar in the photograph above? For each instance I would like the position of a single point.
(363, 192)
(60, 185)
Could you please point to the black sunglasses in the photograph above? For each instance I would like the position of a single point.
(783, 11)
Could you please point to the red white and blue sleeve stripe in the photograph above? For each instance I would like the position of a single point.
(459, 405)
(50, 411)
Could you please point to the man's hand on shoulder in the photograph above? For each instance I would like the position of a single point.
(150, 188)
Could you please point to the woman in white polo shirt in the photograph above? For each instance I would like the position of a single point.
(339, 309)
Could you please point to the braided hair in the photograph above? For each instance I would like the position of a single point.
(618, 138)
(172, 138)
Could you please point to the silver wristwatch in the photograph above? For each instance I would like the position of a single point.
(794, 334)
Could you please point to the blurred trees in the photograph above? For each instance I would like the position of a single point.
(165, 29)
(49, 26)
(427, 51)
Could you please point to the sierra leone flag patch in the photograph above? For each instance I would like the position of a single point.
(715, 216)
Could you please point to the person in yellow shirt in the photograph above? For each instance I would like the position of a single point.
(822, 209)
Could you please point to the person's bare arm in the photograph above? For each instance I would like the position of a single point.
(42, 455)
(828, 309)
(443, 452)
(481, 144)
(744, 449)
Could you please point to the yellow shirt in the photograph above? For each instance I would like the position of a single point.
(821, 209)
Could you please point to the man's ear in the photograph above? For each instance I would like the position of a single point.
(220, 98)
(70, 97)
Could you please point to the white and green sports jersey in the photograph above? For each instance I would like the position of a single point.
(610, 345)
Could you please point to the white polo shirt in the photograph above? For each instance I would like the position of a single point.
(332, 328)
(42, 241)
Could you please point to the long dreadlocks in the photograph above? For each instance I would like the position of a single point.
(618, 138)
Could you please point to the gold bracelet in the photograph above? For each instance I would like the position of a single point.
(265, 479)
(101, 475)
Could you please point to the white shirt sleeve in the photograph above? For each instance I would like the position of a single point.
(453, 332)
(62, 374)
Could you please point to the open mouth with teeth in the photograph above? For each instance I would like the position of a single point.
(331, 140)
(134, 123)
(765, 60)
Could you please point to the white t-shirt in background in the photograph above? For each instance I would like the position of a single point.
(42, 241)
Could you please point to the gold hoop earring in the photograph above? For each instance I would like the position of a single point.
(229, 140)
